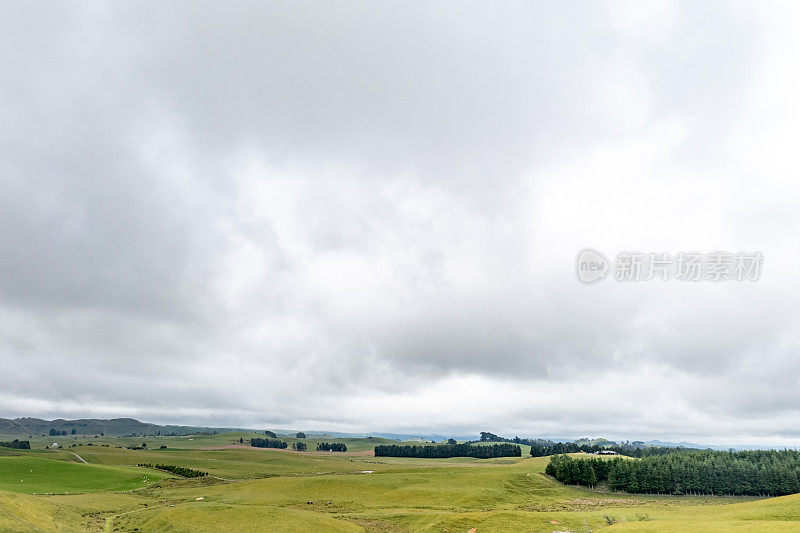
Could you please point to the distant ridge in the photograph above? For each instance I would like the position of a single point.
(22, 427)
(129, 426)
(95, 426)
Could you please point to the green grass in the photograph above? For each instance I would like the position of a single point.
(263, 489)
(31, 475)
(201, 516)
(20, 512)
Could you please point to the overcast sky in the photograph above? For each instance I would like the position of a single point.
(364, 216)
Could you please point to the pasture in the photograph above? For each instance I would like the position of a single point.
(280, 490)
(40, 475)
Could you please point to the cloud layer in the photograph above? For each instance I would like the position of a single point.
(364, 216)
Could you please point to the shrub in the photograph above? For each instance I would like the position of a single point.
(178, 470)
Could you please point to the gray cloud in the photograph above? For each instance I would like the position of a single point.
(364, 216)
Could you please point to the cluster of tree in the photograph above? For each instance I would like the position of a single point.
(581, 471)
(17, 444)
(300, 435)
(331, 447)
(55, 432)
(299, 446)
(170, 434)
(268, 443)
(178, 470)
(753, 473)
(541, 449)
(270, 434)
(449, 450)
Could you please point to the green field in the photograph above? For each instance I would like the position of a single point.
(277, 490)
(32, 475)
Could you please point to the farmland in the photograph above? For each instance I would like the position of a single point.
(282, 490)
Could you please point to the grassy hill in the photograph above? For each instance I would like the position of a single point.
(280, 490)
(94, 426)
(31, 475)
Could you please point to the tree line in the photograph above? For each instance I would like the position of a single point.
(542, 449)
(448, 450)
(268, 443)
(331, 447)
(17, 444)
(749, 473)
(178, 470)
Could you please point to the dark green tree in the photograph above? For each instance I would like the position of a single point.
(268, 443)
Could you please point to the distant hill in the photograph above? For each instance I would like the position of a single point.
(682, 444)
(599, 441)
(95, 426)
(116, 427)
(130, 426)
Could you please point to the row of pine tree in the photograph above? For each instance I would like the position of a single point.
(753, 473)
(449, 450)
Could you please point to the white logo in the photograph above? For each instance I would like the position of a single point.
(591, 266)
